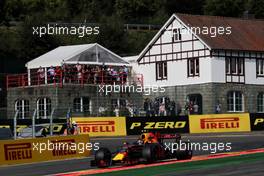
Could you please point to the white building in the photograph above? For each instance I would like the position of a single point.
(198, 65)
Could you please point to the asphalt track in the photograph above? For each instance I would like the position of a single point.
(245, 163)
(239, 142)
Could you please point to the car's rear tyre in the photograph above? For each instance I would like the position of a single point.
(150, 153)
(184, 154)
(103, 157)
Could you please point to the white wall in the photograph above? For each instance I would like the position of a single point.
(211, 70)
(251, 77)
(218, 70)
(177, 73)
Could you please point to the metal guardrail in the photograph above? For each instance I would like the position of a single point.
(127, 27)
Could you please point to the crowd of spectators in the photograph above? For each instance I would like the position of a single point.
(165, 107)
(88, 74)
(160, 107)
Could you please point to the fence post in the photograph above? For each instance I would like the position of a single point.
(102, 77)
(82, 78)
(15, 124)
(61, 79)
(68, 118)
(23, 82)
(142, 80)
(51, 122)
(33, 124)
(29, 78)
(46, 75)
(54, 79)
(7, 82)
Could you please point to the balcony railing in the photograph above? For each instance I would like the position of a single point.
(61, 78)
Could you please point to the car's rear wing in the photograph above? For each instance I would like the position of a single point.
(168, 136)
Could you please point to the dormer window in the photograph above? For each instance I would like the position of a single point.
(176, 35)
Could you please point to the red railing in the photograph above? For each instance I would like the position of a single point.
(17, 80)
(61, 78)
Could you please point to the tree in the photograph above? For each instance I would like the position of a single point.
(256, 7)
(230, 8)
(183, 6)
(138, 11)
(2, 11)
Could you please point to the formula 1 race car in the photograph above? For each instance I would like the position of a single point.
(149, 148)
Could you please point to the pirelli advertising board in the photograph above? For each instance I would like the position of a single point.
(213, 123)
(59, 125)
(137, 125)
(101, 126)
(43, 149)
(257, 121)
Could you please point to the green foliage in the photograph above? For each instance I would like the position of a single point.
(231, 8)
(19, 45)
(185, 6)
(138, 11)
(256, 7)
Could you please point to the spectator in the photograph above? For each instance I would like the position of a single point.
(190, 107)
(116, 111)
(218, 108)
(156, 107)
(124, 74)
(148, 107)
(114, 75)
(196, 108)
(75, 128)
(172, 108)
(162, 109)
(79, 72)
(41, 75)
(97, 72)
(66, 73)
(51, 74)
(102, 110)
(58, 73)
(178, 109)
(109, 75)
(130, 109)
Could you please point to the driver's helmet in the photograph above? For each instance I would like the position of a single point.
(149, 138)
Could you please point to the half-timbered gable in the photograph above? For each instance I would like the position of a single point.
(209, 61)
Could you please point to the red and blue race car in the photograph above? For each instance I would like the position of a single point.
(149, 148)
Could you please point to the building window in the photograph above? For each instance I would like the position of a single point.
(235, 66)
(22, 106)
(260, 100)
(235, 101)
(81, 104)
(176, 35)
(43, 107)
(193, 67)
(161, 70)
(260, 67)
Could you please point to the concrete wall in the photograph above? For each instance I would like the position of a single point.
(62, 98)
(212, 93)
